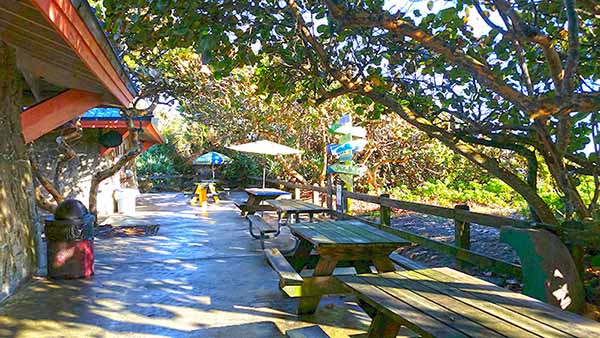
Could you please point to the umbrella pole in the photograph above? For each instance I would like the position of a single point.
(213, 172)
(264, 176)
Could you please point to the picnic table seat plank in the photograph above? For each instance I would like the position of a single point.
(406, 263)
(561, 320)
(392, 307)
(287, 274)
(496, 310)
(503, 326)
(264, 228)
(313, 331)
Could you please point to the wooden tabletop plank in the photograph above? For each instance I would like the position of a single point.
(498, 311)
(356, 238)
(561, 320)
(502, 325)
(375, 230)
(267, 192)
(435, 306)
(304, 231)
(371, 232)
(343, 233)
(325, 228)
(415, 319)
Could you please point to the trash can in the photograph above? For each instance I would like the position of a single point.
(70, 236)
(126, 200)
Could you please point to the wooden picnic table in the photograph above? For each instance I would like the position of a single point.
(289, 208)
(336, 242)
(441, 302)
(256, 196)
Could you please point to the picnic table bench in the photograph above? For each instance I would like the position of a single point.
(255, 197)
(441, 302)
(264, 228)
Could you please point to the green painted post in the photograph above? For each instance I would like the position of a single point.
(385, 213)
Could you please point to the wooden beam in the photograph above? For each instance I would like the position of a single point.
(147, 145)
(67, 22)
(105, 151)
(52, 113)
(152, 131)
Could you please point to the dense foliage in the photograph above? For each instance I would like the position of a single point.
(525, 81)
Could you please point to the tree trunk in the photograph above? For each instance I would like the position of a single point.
(17, 214)
(123, 161)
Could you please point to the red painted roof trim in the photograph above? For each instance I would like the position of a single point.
(147, 126)
(67, 22)
(47, 115)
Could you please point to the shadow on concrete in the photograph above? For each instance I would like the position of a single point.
(201, 276)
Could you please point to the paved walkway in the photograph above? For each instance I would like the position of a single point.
(201, 276)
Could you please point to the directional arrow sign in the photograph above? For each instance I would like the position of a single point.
(348, 129)
(347, 169)
(354, 146)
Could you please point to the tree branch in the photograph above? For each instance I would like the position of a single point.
(468, 151)
(573, 52)
(401, 28)
(50, 188)
(525, 32)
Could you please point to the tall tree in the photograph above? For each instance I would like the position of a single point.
(525, 81)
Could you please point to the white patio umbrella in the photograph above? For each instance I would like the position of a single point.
(266, 148)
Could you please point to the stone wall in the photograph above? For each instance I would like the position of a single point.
(17, 213)
(73, 178)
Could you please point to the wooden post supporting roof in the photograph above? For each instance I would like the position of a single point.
(52, 113)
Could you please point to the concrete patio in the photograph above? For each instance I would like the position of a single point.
(201, 276)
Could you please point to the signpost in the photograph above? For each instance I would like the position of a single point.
(344, 150)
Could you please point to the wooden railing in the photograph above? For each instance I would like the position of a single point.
(461, 215)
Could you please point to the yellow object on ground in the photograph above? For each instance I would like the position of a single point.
(200, 196)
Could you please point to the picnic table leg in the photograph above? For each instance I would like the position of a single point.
(383, 327)
(250, 205)
(301, 256)
(325, 267)
(364, 267)
(384, 264)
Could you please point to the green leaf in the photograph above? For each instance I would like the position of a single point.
(596, 261)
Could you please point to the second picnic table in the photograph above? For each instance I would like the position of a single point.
(256, 196)
(289, 208)
(335, 242)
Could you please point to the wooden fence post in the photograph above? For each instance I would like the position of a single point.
(297, 194)
(462, 230)
(316, 197)
(329, 192)
(385, 212)
(340, 206)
